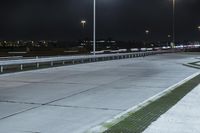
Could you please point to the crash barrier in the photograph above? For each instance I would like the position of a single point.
(38, 63)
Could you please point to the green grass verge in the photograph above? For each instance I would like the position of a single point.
(138, 121)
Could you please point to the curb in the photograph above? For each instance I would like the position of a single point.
(105, 125)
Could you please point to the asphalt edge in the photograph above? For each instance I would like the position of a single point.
(107, 124)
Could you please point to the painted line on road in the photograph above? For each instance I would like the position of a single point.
(193, 65)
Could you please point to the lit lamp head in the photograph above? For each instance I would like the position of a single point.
(198, 28)
(147, 32)
(83, 22)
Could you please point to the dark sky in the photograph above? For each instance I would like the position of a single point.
(119, 19)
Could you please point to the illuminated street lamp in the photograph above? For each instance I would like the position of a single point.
(169, 37)
(94, 28)
(147, 32)
(174, 6)
(198, 28)
(83, 23)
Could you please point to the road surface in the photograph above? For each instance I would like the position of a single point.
(72, 99)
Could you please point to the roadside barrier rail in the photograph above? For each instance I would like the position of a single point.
(37, 63)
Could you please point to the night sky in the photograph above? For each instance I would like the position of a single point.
(118, 19)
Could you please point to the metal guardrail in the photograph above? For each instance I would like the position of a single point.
(30, 64)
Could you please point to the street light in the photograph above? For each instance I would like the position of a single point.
(147, 32)
(83, 22)
(174, 6)
(169, 37)
(94, 28)
(198, 28)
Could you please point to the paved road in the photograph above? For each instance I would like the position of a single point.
(72, 99)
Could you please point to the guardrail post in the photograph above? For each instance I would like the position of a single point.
(21, 67)
(1, 69)
(38, 65)
(52, 63)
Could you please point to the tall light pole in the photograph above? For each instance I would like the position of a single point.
(94, 28)
(147, 33)
(169, 38)
(83, 23)
(173, 23)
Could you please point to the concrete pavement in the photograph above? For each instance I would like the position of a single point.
(72, 99)
(182, 118)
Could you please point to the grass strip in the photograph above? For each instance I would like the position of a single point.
(138, 121)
